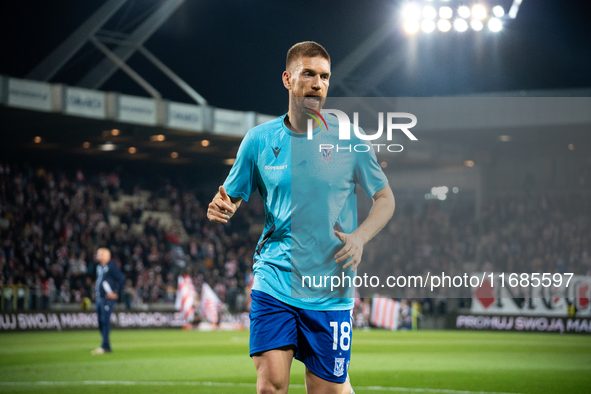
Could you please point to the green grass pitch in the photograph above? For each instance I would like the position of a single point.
(175, 361)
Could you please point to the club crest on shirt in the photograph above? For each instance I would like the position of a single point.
(339, 366)
(326, 154)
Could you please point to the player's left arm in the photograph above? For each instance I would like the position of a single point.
(381, 211)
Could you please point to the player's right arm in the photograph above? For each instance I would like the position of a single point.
(240, 183)
(222, 207)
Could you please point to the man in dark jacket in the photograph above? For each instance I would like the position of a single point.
(109, 282)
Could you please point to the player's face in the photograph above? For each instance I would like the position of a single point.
(308, 78)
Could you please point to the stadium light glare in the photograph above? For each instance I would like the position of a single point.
(499, 11)
(205, 143)
(464, 12)
(108, 147)
(443, 25)
(411, 27)
(455, 190)
(132, 150)
(460, 25)
(411, 12)
(445, 13)
(495, 25)
(514, 9)
(476, 25)
(174, 155)
(37, 139)
(428, 26)
(439, 192)
(86, 145)
(478, 12)
(469, 163)
(429, 12)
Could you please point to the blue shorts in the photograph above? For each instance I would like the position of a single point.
(322, 339)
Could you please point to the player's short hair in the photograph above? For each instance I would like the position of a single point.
(306, 49)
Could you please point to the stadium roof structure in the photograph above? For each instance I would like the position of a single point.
(232, 53)
(104, 46)
(53, 120)
(49, 121)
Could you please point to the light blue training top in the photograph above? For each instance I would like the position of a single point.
(308, 189)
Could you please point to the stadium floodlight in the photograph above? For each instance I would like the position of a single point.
(478, 12)
(498, 11)
(411, 27)
(443, 25)
(476, 24)
(460, 25)
(495, 25)
(428, 25)
(460, 15)
(429, 12)
(411, 12)
(445, 13)
(464, 12)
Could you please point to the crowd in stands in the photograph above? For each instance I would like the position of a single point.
(52, 222)
(535, 234)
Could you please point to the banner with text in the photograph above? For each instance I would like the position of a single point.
(58, 321)
(520, 323)
(29, 94)
(511, 295)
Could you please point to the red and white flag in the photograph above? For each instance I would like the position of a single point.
(384, 313)
(357, 298)
(185, 297)
(210, 304)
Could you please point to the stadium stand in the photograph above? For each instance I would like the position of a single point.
(52, 221)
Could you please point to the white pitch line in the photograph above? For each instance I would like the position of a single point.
(222, 384)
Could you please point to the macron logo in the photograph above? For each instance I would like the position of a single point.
(276, 151)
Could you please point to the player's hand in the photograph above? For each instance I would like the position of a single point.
(353, 250)
(112, 296)
(221, 207)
